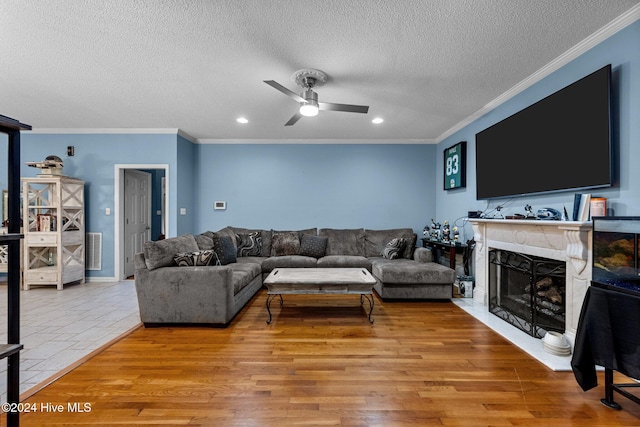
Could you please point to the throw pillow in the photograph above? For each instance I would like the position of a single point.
(313, 246)
(160, 254)
(197, 258)
(249, 244)
(225, 251)
(285, 244)
(394, 248)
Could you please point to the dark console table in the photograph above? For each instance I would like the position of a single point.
(452, 247)
(607, 336)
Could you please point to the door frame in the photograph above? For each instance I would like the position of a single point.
(119, 210)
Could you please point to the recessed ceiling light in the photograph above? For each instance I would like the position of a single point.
(377, 120)
(242, 120)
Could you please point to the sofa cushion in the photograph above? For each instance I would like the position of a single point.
(198, 258)
(285, 243)
(300, 233)
(314, 246)
(251, 260)
(375, 241)
(394, 248)
(344, 261)
(243, 274)
(204, 240)
(288, 261)
(160, 253)
(249, 244)
(224, 249)
(409, 271)
(345, 241)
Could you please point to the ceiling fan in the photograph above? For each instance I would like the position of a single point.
(308, 79)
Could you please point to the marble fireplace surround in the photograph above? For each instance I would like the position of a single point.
(568, 241)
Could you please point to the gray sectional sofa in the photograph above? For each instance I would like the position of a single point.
(208, 278)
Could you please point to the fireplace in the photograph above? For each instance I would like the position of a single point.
(528, 292)
(568, 242)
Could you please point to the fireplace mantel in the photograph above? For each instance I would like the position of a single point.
(568, 241)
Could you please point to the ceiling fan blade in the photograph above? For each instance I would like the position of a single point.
(344, 107)
(284, 90)
(292, 121)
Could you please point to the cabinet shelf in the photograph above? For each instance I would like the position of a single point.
(53, 223)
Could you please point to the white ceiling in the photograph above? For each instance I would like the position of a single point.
(425, 66)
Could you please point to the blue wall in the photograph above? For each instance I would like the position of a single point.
(622, 51)
(186, 175)
(283, 186)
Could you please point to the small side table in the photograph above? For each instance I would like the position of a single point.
(452, 247)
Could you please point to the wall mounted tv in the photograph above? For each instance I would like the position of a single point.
(562, 142)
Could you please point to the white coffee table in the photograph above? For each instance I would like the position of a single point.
(286, 281)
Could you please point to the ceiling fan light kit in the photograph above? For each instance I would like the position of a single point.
(310, 107)
(308, 79)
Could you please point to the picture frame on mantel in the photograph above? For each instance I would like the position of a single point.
(455, 166)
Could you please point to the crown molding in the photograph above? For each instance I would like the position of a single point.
(317, 141)
(185, 135)
(115, 131)
(166, 131)
(624, 20)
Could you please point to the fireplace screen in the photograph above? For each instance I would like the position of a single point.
(527, 291)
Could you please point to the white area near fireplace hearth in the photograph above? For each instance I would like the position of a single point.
(568, 241)
(522, 340)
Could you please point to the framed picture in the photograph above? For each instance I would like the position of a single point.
(455, 166)
(44, 222)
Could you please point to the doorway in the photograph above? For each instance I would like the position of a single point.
(133, 212)
(137, 215)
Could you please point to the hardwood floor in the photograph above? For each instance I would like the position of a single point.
(322, 363)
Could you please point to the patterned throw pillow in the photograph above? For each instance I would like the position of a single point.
(285, 244)
(249, 244)
(394, 248)
(225, 250)
(313, 246)
(197, 258)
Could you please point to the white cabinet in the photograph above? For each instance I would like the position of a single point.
(53, 224)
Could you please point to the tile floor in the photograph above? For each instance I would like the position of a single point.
(58, 328)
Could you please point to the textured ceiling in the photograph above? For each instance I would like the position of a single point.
(425, 66)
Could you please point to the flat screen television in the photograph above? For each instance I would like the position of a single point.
(560, 143)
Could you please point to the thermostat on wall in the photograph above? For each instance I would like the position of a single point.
(219, 206)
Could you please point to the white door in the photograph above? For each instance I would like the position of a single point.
(137, 215)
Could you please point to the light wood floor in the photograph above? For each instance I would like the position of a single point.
(321, 363)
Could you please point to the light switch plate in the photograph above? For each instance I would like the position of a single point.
(219, 206)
